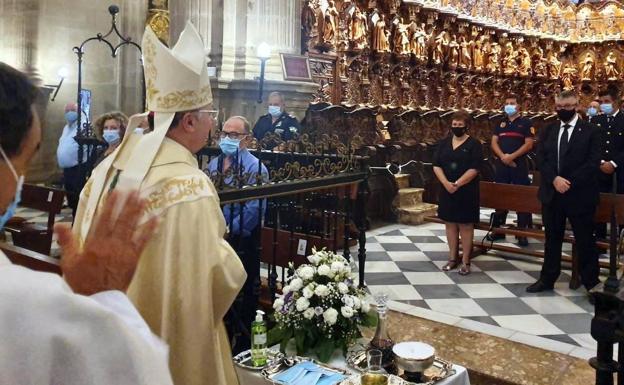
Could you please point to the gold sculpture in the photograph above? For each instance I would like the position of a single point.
(524, 58)
(401, 38)
(358, 29)
(380, 36)
(509, 62)
(465, 58)
(439, 45)
(479, 53)
(331, 23)
(493, 64)
(418, 40)
(610, 67)
(158, 19)
(453, 52)
(568, 76)
(554, 66)
(587, 73)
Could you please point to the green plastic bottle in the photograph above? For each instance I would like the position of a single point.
(258, 340)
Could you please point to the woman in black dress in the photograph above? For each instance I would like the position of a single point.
(456, 164)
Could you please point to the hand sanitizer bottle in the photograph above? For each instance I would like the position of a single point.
(258, 340)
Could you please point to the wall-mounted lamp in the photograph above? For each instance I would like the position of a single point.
(264, 53)
(62, 73)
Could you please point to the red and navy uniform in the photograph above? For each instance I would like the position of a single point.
(512, 136)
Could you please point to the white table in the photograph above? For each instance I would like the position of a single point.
(248, 377)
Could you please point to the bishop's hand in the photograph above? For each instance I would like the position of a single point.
(110, 254)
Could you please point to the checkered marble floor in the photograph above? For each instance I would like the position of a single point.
(35, 216)
(406, 263)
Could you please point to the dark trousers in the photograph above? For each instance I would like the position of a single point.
(73, 180)
(243, 311)
(518, 175)
(554, 216)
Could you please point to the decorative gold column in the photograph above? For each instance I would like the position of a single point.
(158, 18)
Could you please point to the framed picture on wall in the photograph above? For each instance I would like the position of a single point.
(296, 67)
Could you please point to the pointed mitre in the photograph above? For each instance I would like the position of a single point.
(176, 80)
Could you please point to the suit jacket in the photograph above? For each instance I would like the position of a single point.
(580, 165)
(613, 135)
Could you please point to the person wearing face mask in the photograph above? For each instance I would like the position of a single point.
(593, 111)
(67, 157)
(111, 128)
(456, 164)
(242, 219)
(569, 155)
(611, 123)
(277, 121)
(512, 140)
(80, 328)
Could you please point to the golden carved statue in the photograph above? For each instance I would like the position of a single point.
(380, 36)
(465, 58)
(589, 67)
(453, 52)
(554, 66)
(439, 46)
(610, 67)
(158, 19)
(418, 40)
(568, 76)
(401, 39)
(493, 64)
(479, 54)
(509, 62)
(358, 29)
(331, 23)
(524, 58)
(540, 68)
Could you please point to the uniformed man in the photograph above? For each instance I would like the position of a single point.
(593, 110)
(612, 124)
(511, 141)
(277, 120)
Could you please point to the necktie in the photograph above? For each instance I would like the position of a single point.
(563, 146)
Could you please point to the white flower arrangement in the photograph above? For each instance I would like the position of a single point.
(321, 307)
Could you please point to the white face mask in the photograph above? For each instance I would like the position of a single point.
(10, 210)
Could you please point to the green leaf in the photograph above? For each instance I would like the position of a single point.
(324, 350)
(285, 339)
(300, 341)
(369, 319)
(275, 336)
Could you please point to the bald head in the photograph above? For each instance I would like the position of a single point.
(71, 107)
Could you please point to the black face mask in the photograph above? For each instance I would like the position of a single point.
(458, 131)
(565, 115)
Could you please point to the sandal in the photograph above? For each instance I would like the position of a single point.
(465, 269)
(451, 264)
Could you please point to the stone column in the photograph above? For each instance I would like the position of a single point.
(129, 69)
(19, 22)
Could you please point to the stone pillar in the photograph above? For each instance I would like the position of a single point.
(19, 22)
(129, 68)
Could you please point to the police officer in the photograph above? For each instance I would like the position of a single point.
(593, 110)
(511, 141)
(277, 120)
(612, 124)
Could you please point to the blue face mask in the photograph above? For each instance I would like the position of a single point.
(275, 111)
(111, 136)
(229, 146)
(10, 211)
(607, 108)
(592, 111)
(71, 116)
(510, 109)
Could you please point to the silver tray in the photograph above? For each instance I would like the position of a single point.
(287, 362)
(243, 359)
(441, 369)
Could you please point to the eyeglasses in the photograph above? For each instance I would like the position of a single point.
(232, 135)
(213, 113)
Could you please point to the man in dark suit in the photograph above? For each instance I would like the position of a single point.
(569, 162)
(612, 124)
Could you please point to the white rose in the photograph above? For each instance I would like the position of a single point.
(302, 304)
(307, 292)
(357, 303)
(324, 270)
(279, 302)
(321, 290)
(286, 290)
(308, 313)
(306, 272)
(337, 267)
(296, 284)
(343, 288)
(314, 259)
(330, 316)
(365, 306)
(346, 311)
(348, 300)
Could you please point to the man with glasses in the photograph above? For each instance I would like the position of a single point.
(189, 275)
(569, 161)
(242, 219)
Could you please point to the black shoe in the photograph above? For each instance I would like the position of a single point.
(539, 286)
(495, 237)
(523, 241)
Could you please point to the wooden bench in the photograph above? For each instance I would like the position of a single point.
(34, 236)
(524, 199)
(30, 259)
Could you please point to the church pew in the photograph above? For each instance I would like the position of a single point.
(525, 199)
(30, 259)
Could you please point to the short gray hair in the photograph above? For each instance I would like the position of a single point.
(565, 94)
(278, 94)
(246, 124)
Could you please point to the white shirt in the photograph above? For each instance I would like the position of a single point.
(67, 150)
(49, 335)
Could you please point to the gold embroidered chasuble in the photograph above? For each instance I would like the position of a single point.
(188, 275)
